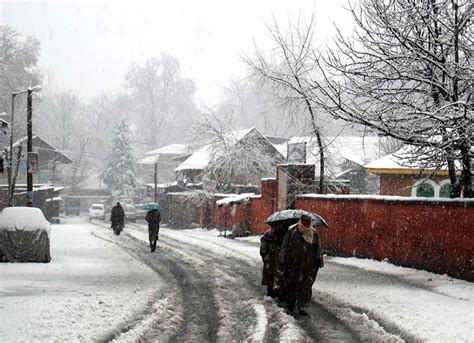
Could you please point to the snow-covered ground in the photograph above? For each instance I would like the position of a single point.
(93, 287)
(90, 287)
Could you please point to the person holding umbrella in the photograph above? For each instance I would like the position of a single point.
(153, 217)
(298, 263)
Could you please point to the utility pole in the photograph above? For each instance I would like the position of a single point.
(10, 157)
(29, 144)
(29, 148)
(156, 181)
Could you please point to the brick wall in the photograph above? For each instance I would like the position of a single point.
(424, 234)
(399, 184)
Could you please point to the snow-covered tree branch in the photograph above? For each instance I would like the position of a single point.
(408, 74)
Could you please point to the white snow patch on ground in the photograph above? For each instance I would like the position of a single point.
(92, 285)
(88, 288)
(258, 332)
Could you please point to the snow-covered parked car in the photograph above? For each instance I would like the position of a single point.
(97, 211)
(24, 235)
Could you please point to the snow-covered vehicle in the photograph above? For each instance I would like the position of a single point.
(24, 235)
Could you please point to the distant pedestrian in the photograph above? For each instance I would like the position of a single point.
(153, 217)
(298, 264)
(270, 245)
(117, 218)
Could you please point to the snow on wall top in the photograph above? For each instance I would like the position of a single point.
(237, 199)
(23, 218)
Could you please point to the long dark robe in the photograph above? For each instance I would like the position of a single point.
(269, 250)
(153, 218)
(298, 265)
(117, 216)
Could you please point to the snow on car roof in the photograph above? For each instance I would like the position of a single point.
(23, 218)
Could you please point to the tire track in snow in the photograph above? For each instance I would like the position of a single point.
(321, 325)
(235, 313)
(196, 306)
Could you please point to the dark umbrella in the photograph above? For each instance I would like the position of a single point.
(295, 215)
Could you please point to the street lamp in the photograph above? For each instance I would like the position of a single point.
(10, 157)
(29, 144)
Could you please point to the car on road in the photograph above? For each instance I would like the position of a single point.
(97, 211)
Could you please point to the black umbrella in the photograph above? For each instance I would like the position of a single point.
(283, 215)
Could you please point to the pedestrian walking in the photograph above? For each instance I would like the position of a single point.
(153, 217)
(270, 245)
(298, 263)
(117, 218)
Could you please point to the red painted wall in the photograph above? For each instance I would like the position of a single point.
(434, 236)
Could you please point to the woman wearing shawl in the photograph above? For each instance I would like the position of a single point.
(299, 261)
(270, 244)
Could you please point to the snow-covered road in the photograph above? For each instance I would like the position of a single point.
(202, 287)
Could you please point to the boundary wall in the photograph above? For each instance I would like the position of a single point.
(431, 234)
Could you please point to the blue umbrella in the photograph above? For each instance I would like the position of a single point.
(151, 206)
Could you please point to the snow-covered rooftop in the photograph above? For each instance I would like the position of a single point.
(171, 149)
(401, 160)
(357, 149)
(200, 159)
(197, 161)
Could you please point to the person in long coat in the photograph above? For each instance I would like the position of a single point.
(153, 217)
(270, 245)
(117, 216)
(299, 261)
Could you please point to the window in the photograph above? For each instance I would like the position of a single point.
(425, 189)
(445, 189)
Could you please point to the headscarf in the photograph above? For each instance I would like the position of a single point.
(306, 231)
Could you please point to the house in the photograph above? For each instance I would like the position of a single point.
(345, 157)
(90, 191)
(49, 161)
(191, 169)
(161, 162)
(401, 176)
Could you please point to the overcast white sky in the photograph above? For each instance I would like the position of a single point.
(89, 45)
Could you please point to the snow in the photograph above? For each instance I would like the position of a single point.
(403, 160)
(356, 149)
(89, 287)
(92, 285)
(200, 159)
(23, 218)
(54, 199)
(237, 199)
(171, 149)
(385, 198)
(197, 161)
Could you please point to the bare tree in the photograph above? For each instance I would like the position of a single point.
(18, 60)
(253, 103)
(291, 73)
(407, 74)
(163, 99)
